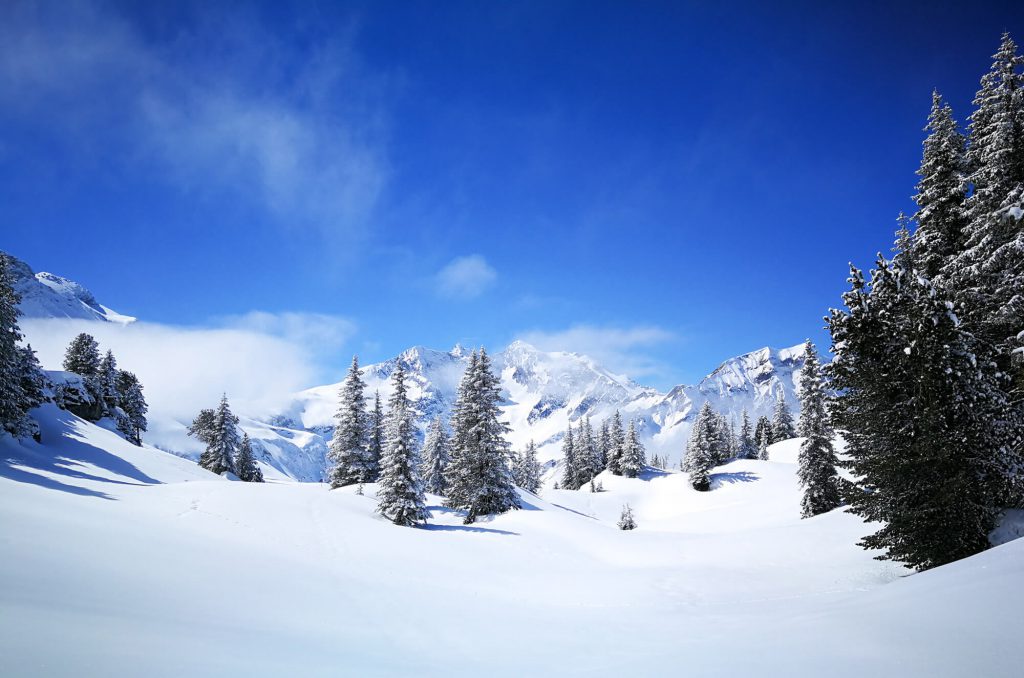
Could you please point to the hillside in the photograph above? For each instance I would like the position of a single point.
(201, 576)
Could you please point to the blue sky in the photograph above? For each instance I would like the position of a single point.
(660, 185)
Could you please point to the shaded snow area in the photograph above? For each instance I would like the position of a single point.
(125, 561)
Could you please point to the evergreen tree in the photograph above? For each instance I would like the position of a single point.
(107, 378)
(569, 474)
(617, 442)
(479, 476)
(248, 470)
(527, 471)
(132, 421)
(436, 457)
(400, 495)
(817, 460)
(202, 427)
(941, 191)
(349, 448)
(222, 447)
(604, 443)
(21, 380)
(782, 420)
(747, 447)
(633, 455)
(83, 356)
(701, 455)
(931, 434)
(626, 520)
(588, 462)
(377, 436)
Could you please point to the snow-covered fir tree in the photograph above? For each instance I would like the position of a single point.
(479, 477)
(377, 435)
(83, 356)
(21, 380)
(747, 447)
(107, 378)
(604, 443)
(782, 420)
(931, 434)
(701, 453)
(941, 191)
(201, 427)
(248, 470)
(817, 459)
(436, 457)
(570, 481)
(400, 490)
(527, 469)
(633, 455)
(132, 403)
(616, 442)
(349, 450)
(588, 458)
(763, 437)
(626, 519)
(224, 440)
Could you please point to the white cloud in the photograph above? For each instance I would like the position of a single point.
(247, 119)
(466, 277)
(258, 359)
(623, 350)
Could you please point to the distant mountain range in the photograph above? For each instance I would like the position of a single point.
(544, 391)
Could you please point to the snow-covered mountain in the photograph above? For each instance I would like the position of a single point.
(45, 295)
(545, 391)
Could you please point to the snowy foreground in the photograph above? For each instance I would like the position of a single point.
(126, 561)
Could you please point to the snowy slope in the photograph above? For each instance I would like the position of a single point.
(545, 391)
(120, 561)
(45, 295)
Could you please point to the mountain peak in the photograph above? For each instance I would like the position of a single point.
(47, 295)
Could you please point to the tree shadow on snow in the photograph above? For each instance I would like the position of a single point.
(22, 463)
(719, 479)
(566, 508)
(650, 473)
(467, 528)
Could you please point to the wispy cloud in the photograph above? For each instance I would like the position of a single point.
(259, 359)
(465, 277)
(246, 119)
(623, 350)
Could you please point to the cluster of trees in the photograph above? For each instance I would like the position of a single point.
(585, 455)
(714, 440)
(227, 451)
(473, 466)
(929, 353)
(116, 393)
(22, 382)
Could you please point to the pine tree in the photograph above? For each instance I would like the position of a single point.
(527, 470)
(633, 455)
(931, 434)
(701, 455)
(377, 436)
(763, 437)
(83, 356)
(588, 462)
(132, 421)
(248, 470)
(21, 380)
(782, 420)
(817, 460)
(222, 448)
(569, 476)
(626, 520)
(747, 448)
(617, 442)
(201, 427)
(604, 443)
(349, 448)
(436, 457)
(941, 191)
(400, 495)
(479, 476)
(107, 378)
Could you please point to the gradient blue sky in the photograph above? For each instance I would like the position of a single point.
(662, 185)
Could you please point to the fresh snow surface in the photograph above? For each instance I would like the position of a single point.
(125, 561)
